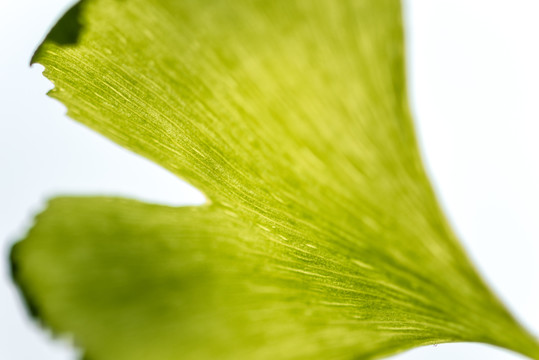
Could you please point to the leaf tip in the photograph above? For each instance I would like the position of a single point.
(15, 273)
(66, 31)
(16, 267)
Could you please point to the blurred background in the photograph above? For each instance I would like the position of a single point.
(474, 83)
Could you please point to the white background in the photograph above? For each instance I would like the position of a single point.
(474, 75)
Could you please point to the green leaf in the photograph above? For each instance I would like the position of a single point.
(321, 238)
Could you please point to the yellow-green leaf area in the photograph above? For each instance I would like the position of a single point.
(321, 237)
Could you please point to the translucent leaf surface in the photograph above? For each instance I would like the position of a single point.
(321, 237)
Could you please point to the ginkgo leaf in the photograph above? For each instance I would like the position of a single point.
(321, 237)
